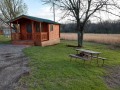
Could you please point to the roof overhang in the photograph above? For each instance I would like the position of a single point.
(29, 17)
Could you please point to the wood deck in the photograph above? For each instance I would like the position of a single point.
(23, 42)
(36, 43)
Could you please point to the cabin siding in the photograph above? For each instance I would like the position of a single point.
(53, 35)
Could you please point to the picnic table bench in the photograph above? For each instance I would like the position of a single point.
(79, 57)
(88, 55)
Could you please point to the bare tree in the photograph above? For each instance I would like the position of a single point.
(83, 10)
(10, 9)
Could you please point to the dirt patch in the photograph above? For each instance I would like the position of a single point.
(13, 64)
(112, 77)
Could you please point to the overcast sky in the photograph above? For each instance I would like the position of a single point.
(38, 9)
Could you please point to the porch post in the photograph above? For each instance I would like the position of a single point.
(17, 26)
(40, 27)
(40, 32)
(33, 30)
(11, 32)
(48, 32)
(18, 31)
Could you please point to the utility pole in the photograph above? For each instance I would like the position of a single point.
(54, 11)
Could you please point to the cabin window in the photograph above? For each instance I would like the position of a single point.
(37, 27)
(51, 27)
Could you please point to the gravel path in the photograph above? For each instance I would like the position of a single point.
(112, 77)
(12, 65)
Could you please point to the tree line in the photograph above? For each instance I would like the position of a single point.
(106, 27)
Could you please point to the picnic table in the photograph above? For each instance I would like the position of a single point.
(87, 55)
(88, 51)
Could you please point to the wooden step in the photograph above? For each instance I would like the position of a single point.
(23, 42)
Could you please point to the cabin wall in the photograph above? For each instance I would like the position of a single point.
(55, 34)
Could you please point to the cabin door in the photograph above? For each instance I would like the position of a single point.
(29, 31)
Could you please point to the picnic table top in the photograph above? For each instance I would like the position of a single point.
(88, 51)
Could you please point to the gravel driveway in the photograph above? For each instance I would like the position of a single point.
(12, 65)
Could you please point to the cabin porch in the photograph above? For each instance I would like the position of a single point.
(29, 39)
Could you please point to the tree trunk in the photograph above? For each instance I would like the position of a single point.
(80, 33)
(80, 38)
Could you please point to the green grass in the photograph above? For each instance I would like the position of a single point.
(52, 70)
(4, 40)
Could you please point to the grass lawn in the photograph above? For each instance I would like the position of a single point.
(4, 40)
(51, 68)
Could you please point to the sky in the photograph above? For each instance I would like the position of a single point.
(39, 9)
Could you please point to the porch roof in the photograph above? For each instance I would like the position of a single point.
(34, 19)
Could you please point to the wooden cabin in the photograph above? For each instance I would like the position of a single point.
(35, 31)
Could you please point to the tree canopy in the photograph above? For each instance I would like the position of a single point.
(12, 8)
